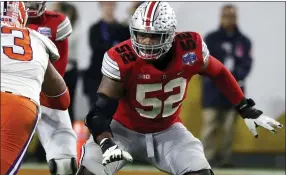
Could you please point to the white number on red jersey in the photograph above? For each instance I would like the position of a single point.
(157, 104)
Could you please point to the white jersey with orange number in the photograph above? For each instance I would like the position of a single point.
(25, 54)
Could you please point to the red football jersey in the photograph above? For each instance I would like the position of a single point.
(153, 98)
(57, 27)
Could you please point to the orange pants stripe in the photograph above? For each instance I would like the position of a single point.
(19, 117)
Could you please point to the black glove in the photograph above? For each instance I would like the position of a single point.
(246, 110)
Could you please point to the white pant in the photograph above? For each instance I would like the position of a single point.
(174, 150)
(56, 134)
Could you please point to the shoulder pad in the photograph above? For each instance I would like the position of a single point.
(205, 50)
(195, 42)
(117, 59)
(50, 46)
(110, 67)
(187, 41)
(125, 52)
(64, 28)
(62, 23)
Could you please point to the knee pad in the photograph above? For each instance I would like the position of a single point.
(63, 166)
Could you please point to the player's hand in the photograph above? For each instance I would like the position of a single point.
(63, 166)
(254, 118)
(264, 121)
(111, 152)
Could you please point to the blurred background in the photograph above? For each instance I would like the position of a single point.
(248, 37)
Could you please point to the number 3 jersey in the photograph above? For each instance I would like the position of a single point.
(153, 97)
(24, 58)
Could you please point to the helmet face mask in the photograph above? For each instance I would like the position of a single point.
(35, 8)
(156, 45)
(151, 37)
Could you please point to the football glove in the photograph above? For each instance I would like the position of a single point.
(254, 118)
(111, 152)
(63, 166)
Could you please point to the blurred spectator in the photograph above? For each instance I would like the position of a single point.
(102, 36)
(233, 49)
(131, 10)
(72, 73)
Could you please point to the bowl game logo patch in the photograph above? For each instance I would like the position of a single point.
(189, 58)
(45, 31)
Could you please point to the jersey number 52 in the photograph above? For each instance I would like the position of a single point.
(21, 48)
(157, 104)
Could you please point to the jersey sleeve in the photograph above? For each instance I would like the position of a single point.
(64, 29)
(110, 67)
(205, 52)
(50, 46)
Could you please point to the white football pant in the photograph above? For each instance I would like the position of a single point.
(56, 134)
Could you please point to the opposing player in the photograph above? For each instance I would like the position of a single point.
(148, 76)
(25, 71)
(55, 129)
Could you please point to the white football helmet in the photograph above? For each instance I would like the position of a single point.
(156, 19)
(13, 13)
(35, 8)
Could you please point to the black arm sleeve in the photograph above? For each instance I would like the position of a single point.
(100, 115)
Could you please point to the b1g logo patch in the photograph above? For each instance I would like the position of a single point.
(144, 76)
(189, 58)
(46, 31)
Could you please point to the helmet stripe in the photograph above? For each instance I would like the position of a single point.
(149, 14)
(153, 12)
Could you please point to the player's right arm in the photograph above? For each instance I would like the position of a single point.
(109, 91)
(100, 115)
(54, 93)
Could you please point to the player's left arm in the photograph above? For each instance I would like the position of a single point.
(64, 30)
(227, 84)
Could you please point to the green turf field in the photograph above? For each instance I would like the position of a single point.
(42, 169)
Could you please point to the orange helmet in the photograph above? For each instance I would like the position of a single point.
(13, 13)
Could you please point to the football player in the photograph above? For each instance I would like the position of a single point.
(55, 129)
(26, 70)
(147, 76)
